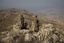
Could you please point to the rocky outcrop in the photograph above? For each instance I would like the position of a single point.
(28, 28)
(47, 34)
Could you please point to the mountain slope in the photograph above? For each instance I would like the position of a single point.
(11, 16)
(49, 31)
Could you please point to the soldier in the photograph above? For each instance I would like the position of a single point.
(22, 21)
(36, 24)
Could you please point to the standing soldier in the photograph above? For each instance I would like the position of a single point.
(22, 21)
(36, 24)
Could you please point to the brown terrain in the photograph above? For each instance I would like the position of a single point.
(51, 30)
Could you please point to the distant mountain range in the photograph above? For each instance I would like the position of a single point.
(53, 13)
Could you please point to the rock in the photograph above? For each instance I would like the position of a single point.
(32, 26)
(28, 37)
(47, 34)
(49, 26)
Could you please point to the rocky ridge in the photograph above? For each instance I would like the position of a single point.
(47, 34)
(12, 32)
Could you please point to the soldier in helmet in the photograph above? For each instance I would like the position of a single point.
(36, 24)
(22, 21)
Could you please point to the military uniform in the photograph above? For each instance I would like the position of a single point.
(36, 24)
(22, 22)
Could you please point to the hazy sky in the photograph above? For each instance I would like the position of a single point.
(32, 5)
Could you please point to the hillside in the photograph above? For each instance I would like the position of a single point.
(50, 31)
(53, 14)
(11, 16)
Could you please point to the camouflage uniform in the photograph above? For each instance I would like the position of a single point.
(36, 24)
(22, 21)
